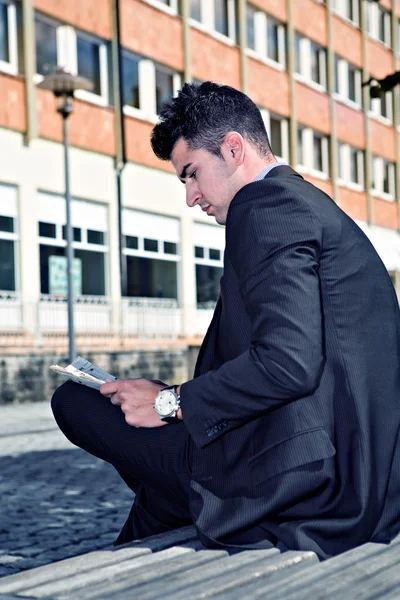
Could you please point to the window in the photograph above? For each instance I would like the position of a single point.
(164, 87)
(89, 264)
(348, 81)
(265, 35)
(195, 10)
(217, 16)
(383, 178)
(88, 54)
(310, 61)
(351, 166)
(151, 263)
(8, 238)
(221, 16)
(250, 16)
(379, 23)
(8, 37)
(349, 9)
(278, 132)
(383, 106)
(209, 245)
(46, 46)
(78, 52)
(312, 151)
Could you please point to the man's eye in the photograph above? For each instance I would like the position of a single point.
(193, 175)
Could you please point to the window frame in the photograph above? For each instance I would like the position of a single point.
(374, 10)
(340, 7)
(344, 157)
(11, 66)
(207, 22)
(342, 83)
(305, 63)
(375, 108)
(266, 116)
(378, 164)
(261, 20)
(307, 139)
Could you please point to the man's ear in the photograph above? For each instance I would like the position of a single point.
(234, 146)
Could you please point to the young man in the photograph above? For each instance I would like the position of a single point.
(288, 433)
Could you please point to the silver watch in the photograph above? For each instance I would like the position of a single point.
(167, 404)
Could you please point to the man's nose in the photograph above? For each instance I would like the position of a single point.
(192, 196)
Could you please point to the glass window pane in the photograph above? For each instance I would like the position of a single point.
(4, 49)
(164, 87)
(272, 40)
(386, 178)
(47, 230)
(297, 53)
(45, 253)
(89, 62)
(132, 242)
(93, 276)
(7, 266)
(151, 278)
(199, 252)
(170, 248)
(130, 80)
(46, 47)
(221, 16)
(276, 136)
(95, 237)
(337, 83)
(318, 164)
(250, 12)
(340, 161)
(195, 10)
(207, 285)
(354, 170)
(7, 224)
(300, 152)
(151, 245)
(215, 254)
(76, 233)
(316, 58)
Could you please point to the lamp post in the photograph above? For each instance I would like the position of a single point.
(63, 86)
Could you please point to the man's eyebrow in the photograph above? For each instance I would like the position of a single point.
(183, 174)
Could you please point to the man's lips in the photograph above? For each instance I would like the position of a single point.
(205, 208)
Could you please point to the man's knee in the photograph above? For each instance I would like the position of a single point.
(62, 405)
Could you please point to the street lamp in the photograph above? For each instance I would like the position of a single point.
(63, 86)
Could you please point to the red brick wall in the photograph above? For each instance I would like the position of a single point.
(12, 104)
(138, 148)
(214, 60)
(89, 15)
(385, 213)
(268, 87)
(313, 108)
(275, 8)
(350, 125)
(380, 59)
(353, 203)
(383, 140)
(151, 32)
(310, 20)
(347, 41)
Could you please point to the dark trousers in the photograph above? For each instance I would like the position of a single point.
(154, 463)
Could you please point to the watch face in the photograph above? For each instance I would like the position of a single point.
(166, 403)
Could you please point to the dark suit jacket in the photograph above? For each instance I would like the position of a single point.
(294, 410)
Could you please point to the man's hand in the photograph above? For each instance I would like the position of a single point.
(136, 398)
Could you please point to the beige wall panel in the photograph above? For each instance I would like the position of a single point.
(312, 108)
(214, 60)
(89, 15)
(12, 103)
(275, 8)
(310, 20)
(385, 213)
(347, 41)
(91, 126)
(383, 140)
(350, 125)
(380, 59)
(353, 203)
(138, 146)
(268, 87)
(151, 32)
(321, 184)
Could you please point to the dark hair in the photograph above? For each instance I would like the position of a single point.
(203, 115)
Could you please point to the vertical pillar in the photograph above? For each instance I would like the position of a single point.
(242, 17)
(332, 103)
(366, 99)
(292, 85)
(29, 59)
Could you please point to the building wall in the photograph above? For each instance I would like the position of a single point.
(154, 33)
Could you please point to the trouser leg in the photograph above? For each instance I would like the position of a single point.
(153, 462)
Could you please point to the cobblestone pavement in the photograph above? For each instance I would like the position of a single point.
(56, 500)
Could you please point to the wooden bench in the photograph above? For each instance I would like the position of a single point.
(176, 566)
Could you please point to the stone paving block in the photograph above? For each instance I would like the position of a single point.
(8, 559)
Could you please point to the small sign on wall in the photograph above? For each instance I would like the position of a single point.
(58, 276)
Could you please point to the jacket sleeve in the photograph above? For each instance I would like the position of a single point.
(277, 264)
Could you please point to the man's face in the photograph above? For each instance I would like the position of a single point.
(209, 179)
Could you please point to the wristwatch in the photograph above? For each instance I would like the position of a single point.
(167, 404)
